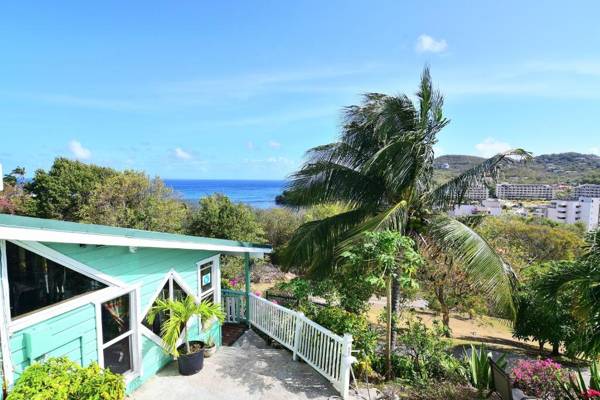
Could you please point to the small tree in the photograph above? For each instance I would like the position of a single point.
(217, 216)
(377, 260)
(180, 312)
(132, 200)
(546, 320)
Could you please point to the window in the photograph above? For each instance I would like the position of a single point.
(36, 282)
(170, 290)
(117, 334)
(206, 279)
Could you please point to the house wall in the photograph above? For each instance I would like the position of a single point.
(73, 334)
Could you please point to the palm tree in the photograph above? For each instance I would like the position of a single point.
(382, 168)
(580, 281)
(180, 312)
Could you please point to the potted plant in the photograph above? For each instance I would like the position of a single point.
(209, 347)
(189, 355)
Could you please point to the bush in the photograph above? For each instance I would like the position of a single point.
(543, 379)
(443, 391)
(62, 379)
(423, 356)
(340, 322)
(480, 370)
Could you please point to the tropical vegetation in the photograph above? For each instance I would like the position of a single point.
(381, 169)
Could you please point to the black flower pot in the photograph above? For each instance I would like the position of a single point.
(189, 364)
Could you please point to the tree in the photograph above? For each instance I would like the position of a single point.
(546, 320)
(15, 177)
(525, 241)
(580, 281)
(376, 261)
(132, 200)
(278, 224)
(218, 217)
(381, 169)
(449, 288)
(65, 189)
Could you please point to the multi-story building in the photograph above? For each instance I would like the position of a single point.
(585, 210)
(477, 192)
(512, 191)
(587, 190)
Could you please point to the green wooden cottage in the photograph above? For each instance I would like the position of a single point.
(84, 291)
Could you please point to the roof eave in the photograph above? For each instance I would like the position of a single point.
(54, 236)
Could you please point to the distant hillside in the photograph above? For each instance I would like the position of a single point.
(571, 168)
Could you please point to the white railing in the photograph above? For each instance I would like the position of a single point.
(234, 305)
(328, 353)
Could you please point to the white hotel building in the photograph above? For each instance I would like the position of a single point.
(585, 210)
(512, 191)
(587, 190)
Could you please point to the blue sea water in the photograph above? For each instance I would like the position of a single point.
(255, 193)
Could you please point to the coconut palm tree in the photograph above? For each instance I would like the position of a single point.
(381, 169)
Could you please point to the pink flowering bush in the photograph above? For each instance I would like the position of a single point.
(591, 394)
(540, 378)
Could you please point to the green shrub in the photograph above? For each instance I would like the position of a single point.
(340, 321)
(62, 379)
(443, 391)
(423, 356)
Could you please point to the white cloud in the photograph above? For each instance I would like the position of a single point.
(274, 145)
(182, 154)
(426, 43)
(80, 152)
(595, 150)
(490, 147)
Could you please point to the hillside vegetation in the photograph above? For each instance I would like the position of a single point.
(573, 168)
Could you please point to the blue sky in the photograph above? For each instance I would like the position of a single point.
(242, 89)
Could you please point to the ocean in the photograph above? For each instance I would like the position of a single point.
(255, 193)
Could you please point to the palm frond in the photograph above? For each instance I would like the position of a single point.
(394, 218)
(312, 246)
(453, 191)
(481, 262)
(328, 182)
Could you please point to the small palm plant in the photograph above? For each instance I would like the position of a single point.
(180, 312)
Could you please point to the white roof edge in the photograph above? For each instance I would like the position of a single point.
(53, 236)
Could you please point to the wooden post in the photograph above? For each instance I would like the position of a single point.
(247, 285)
(347, 361)
(297, 333)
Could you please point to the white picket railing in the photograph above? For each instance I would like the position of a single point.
(328, 353)
(234, 305)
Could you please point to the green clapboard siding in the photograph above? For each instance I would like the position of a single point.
(72, 334)
(147, 266)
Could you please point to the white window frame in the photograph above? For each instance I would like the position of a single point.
(215, 289)
(215, 275)
(170, 277)
(134, 293)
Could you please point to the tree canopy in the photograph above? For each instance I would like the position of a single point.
(133, 200)
(217, 216)
(381, 170)
(65, 189)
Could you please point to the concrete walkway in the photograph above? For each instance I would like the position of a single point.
(249, 370)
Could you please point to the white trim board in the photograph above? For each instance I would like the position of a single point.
(45, 235)
(69, 262)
